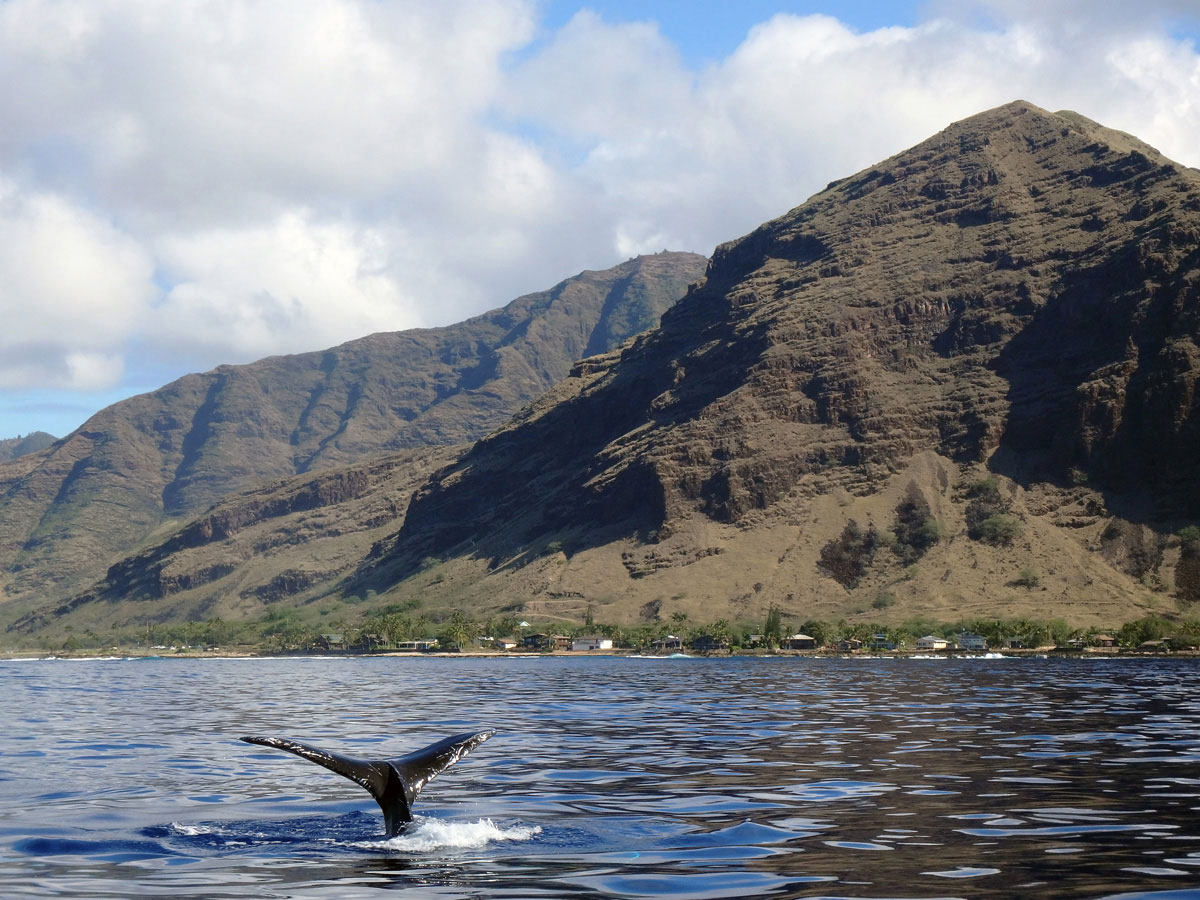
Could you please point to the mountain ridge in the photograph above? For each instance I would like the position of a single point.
(11, 448)
(957, 383)
(136, 468)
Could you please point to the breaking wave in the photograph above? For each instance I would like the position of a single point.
(426, 835)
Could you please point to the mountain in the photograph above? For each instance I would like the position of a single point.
(142, 467)
(11, 448)
(1001, 324)
(255, 549)
(959, 384)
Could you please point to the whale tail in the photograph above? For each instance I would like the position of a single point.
(394, 783)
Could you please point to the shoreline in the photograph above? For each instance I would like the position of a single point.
(243, 653)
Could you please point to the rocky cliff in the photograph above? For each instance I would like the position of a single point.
(1019, 292)
(137, 469)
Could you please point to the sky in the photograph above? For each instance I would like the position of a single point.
(186, 185)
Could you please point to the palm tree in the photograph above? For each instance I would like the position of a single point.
(773, 627)
(680, 619)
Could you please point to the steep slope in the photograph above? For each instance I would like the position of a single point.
(1020, 290)
(11, 448)
(254, 549)
(69, 511)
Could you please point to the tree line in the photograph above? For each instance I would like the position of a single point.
(285, 632)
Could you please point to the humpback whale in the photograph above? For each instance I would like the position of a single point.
(395, 782)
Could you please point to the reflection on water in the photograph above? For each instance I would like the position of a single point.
(609, 777)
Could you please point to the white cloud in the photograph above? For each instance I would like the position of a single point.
(211, 109)
(689, 159)
(93, 370)
(289, 285)
(72, 288)
(294, 173)
(624, 76)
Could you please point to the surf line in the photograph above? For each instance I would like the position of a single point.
(394, 783)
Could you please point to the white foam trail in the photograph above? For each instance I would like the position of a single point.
(426, 835)
(192, 830)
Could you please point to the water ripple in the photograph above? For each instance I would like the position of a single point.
(609, 777)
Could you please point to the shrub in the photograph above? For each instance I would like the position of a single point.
(987, 514)
(986, 489)
(1187, 570)
(883, 600)
(999, 530)
(847, 558)
(1028, 578)
(916, 530)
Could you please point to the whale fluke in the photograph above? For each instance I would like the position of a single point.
(395, 782)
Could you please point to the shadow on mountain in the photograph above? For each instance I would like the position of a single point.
(1103, 381)
(571, 475)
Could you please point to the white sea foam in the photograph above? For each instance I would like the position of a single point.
(190, 830)
(426, 835)
(234, 834)
(197, 830)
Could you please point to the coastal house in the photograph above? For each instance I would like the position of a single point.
(592, 642)
(706, 643)
(931, 642)
(1103, 640)
(504, 644)
(670, 642)
(800, 642)
(880, 641)
(546, 642)
(330, 641)
(423, 645)
(849, 645)
(968, 640)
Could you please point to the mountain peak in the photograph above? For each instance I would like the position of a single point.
(11, 448)
(1016, 292)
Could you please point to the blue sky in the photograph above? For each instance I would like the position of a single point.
(706, 32)
(182, 190)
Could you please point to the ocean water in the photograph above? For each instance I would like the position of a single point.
(608, 777)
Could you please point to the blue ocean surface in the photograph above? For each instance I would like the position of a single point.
(608, 777)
